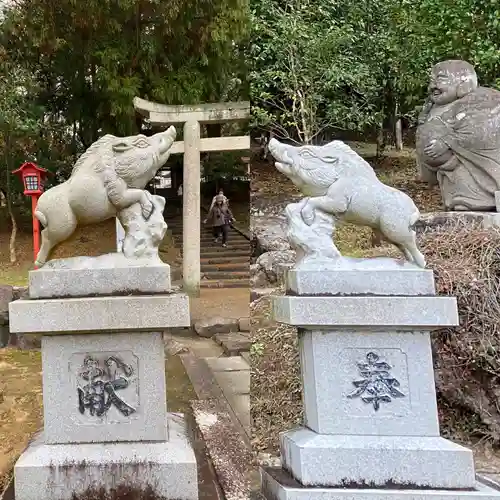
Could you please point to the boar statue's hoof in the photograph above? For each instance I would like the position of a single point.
(147, 211)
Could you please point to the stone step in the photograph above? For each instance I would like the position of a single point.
(209, 236)
(211, 243)
(224, 260)
(231, 237)
(237, 283)
(234, 343)
(220, 251)
(230, 242)
(224, 253)
(220, 275)
(230, 267)
(221, 258)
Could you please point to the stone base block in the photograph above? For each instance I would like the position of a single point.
(46, 283)
(375, 383)
(277, 484)
(67, 472)
(97, 314)
(400, 313)
(352, 276)
(375, 461)
(104, 388)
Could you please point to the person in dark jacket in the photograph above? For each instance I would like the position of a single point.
(220, 218)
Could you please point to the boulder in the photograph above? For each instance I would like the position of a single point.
(173, 347)
(4, 318)
(273, 265)
(6, 297)
(258, 293)
(258, 278)
(211, 326)
(269, 233)
(20, 292)
(244, 324)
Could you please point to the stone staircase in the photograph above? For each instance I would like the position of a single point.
(220, 267)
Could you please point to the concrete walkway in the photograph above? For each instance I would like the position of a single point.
(233, 377)
(232, 374)
(228, 303)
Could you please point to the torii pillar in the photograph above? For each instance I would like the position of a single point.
(162, 116)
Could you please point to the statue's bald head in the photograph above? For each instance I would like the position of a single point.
(451, 80)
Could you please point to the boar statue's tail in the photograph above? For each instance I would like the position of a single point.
(415, 217)
(41, 217)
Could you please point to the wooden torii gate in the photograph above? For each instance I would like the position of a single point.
(162, 116)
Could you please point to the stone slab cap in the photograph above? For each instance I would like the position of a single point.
(401, 313)
(46, 283)
(352, 276)
(497, 200)
(277, 484)
(100, 314)
(337, 461)
(49, 472)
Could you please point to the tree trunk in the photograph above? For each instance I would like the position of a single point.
(13, 235)
(399, 135)
(398, 129)
(10, 209)
(381, 142)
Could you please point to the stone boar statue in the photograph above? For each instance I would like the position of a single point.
(339, 182)
(108, 178)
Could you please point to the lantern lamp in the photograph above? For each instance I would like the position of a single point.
(33, 178)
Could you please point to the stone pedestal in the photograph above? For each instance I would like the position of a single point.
(106, 424)
(371, 424)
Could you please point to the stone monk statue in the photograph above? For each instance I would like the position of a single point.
(458, 138)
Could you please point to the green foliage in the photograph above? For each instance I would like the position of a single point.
(224, 165)
(463, 29)
(20, 122)
(321, 67)
(91, 58)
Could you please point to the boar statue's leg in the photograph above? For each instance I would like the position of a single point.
(58, 230)
(123, 197)
(332, 206)
(404, 237)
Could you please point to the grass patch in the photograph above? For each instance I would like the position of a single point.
(21, 411)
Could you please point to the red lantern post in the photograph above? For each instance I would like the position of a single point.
(33, 178)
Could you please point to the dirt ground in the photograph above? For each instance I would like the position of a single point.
(20, 404)
(225, 302)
